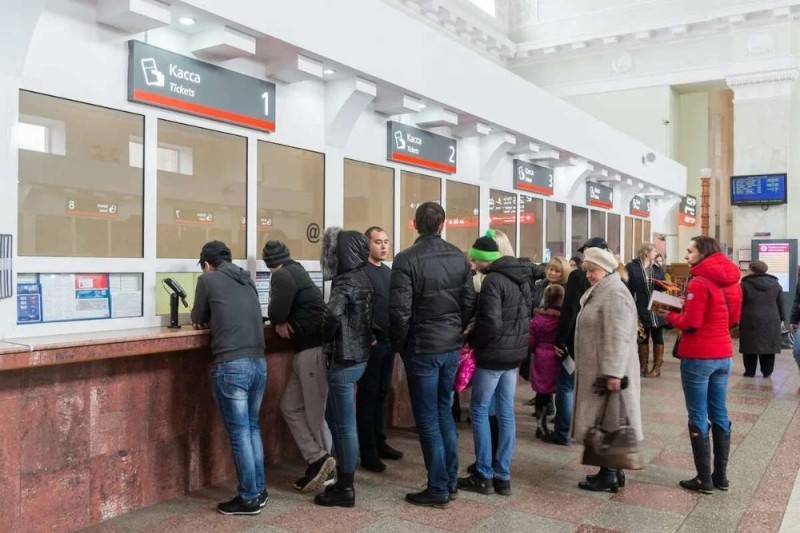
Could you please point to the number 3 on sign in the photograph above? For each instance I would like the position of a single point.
(265, 97)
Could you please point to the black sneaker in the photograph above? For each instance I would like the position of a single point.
(502, 486)
(552, 439)
(472, 469)
(303, 481)
(318, 473)
(263, 498)
(476, 483)
(331, 479)
(387, 452)
(238, 506)
(373, 465)
(426, 499)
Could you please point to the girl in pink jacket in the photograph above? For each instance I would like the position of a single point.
(544, 370)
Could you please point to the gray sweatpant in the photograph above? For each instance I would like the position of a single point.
(303, 404)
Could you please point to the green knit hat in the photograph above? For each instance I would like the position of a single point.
(485, 248)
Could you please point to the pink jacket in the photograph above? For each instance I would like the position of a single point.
(544, 370)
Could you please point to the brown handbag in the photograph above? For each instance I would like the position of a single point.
(612, 449)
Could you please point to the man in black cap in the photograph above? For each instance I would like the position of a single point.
(295, 310)
(577, 284)
(226, 300)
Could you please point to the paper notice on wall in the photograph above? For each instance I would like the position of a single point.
(262, 287)
(126, 295)
(75, 297)
(776, 256)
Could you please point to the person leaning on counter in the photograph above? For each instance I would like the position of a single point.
(226, 301)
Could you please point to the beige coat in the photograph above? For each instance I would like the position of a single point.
(605, 344)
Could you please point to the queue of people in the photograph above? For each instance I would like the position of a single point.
(578, 323)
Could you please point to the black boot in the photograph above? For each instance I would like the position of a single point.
(620, 477)
(340, 494)
(606, 479)
(722, 447)
(701, 449)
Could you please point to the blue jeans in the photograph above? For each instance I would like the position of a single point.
(565, 392)
(341, 413)
(430, 384)
(705, 389)
(493, 387)
(796, 350)
(239, 388)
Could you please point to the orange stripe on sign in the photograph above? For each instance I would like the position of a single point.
(639, 213)
(535, 188)
(599, 203)
(410, 159)
(202, 110)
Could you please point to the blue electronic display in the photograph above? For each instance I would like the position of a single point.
(764, 189)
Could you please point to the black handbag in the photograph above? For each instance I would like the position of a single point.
(612, 449)
(675, 348)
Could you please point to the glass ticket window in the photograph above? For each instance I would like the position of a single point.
(369, 198)
(638, 235)
(291, 199)
(415, 189)
(630, 251)
(580, 227)
(613, 233)
(503, 214)
(597, 224)
(463, 214)
(80, 187)
(556, 230)
(202, 190)
(647, 235)
(531, 228)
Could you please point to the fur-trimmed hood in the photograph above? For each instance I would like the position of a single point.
(343, 251)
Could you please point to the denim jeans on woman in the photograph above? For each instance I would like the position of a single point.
(341, 413)
(493, 386)
(796, 350)
(239, 388)
(705, 389)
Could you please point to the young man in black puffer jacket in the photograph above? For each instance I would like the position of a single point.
(348, 339)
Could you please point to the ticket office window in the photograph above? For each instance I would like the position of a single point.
(369, 198)
(630, 252)
(556, 230)
(638, 236)
(78, 194)
(463, 214)
(647, 235)
(203, 197)
(291, 199)
(613, 233)
(531, 228)
(503, 214)
(597, 224)
(415, 189)
(580, 227)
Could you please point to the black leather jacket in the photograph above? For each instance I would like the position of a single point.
(347, 324)
(432, 298)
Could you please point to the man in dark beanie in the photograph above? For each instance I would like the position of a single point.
(295, 310)
(226, 300)
(431, 301)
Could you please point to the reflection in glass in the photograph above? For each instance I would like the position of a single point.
(597, 223)
(291, 195)
(415, 189)
(78, 196)
(647, 236)
(613, 233)
(630, 253)
(369, 198)
(556, 230)
(531, 228)
(638, 236)
(205, 197)
(580, 227)
(463, 214)
(503, 214)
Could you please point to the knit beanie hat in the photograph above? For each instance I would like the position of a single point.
(485, 248)
(275, 253)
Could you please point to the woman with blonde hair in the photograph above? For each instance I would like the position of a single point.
(557, 271)
(644, 274)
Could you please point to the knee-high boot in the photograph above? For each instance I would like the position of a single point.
(722, 448)
(644, 356)
(658, 360)
(701, 449)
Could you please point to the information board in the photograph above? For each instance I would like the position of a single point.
(533, 178)
(413, 146)
(688, 211)
(640, 206)
(765, 189)
(599, 196)
(780, 255)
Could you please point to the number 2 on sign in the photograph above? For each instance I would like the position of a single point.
(265, 97)
(452, 154)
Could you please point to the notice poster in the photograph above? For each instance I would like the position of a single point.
(777, 258)
(75, 297)
(126, 295)
(29, 302)
(262, 287)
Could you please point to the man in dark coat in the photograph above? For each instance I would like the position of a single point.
(762, 314)
(432, 300)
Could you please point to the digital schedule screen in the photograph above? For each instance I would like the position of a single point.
(765, 189)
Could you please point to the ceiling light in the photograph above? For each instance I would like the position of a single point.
(422, 106)
(328, 71)
(186, 21)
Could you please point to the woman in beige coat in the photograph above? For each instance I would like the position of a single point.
(605, 346)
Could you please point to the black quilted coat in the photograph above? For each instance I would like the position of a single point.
(347, 324)
(762, 314)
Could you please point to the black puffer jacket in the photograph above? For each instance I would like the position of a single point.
(502, 321)
(432, 298)
(641, 292)
(294, 298)
(762, 314)
(347, 324)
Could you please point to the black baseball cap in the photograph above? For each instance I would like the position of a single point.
(594, 242)
(214, 251)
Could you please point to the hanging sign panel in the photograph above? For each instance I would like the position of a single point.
(688, 211)
(413, 146)
(172, 81)
(599, 196)
(533, 178)
(640, 206)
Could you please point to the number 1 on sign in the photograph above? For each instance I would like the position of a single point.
(265, 97)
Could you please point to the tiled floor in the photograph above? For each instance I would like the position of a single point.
(764, 463)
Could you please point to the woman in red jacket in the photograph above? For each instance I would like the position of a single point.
(713, 304)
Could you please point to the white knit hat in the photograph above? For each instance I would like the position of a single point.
(602, 258)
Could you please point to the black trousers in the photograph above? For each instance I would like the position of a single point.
(657, 334)
(751, 361)
(371, 395)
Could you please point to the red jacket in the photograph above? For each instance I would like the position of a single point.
(713, 305)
